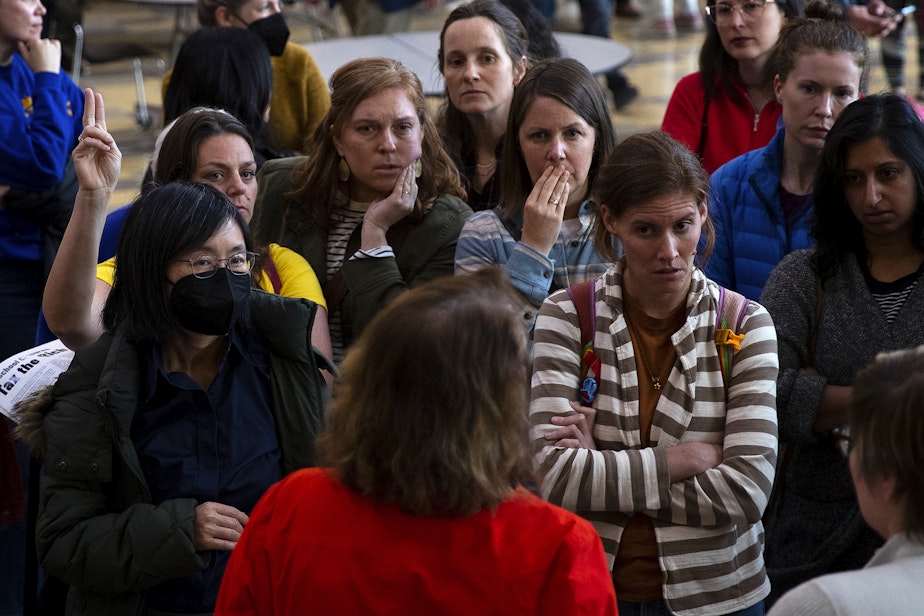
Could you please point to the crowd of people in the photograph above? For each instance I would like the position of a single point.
(346, 355)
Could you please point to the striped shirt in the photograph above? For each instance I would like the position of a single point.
(891, 296)
(343, 223)
(708, 527)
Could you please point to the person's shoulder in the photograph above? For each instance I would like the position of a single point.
(278, 171)
(691, 84)
(284, 164)
(87, 365)
(295, 488)
(446, 210)
(451, 203)
(294, 58)
(797, 261)
(485, 219)
(525, 505)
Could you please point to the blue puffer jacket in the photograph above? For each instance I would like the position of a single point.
(751, 234)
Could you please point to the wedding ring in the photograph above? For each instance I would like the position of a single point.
(79, 138)
(554, 201)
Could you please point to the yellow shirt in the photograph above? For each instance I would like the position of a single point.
(296, 276)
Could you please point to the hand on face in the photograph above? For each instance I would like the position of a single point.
(393, 207)
(42, 55)
(97, 158)
(545, 209)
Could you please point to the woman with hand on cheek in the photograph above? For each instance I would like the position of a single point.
(558, 133)
(377, 205)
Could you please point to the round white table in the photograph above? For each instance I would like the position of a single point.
(418, 50)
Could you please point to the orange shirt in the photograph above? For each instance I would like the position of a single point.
(637, 574)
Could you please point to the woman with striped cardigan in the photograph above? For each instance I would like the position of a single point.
(673, 459)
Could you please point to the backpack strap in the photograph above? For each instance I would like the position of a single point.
(582, 296)
(729, 317)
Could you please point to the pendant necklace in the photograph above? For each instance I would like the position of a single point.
(639, 345)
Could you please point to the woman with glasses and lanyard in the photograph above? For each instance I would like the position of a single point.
(859, 291)
(728, 107)
(163, 434)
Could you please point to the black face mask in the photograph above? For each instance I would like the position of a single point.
(274, 32)
(210, 306)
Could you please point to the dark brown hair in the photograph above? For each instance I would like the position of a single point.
(453, 125)
(569, 82)
(641, 169)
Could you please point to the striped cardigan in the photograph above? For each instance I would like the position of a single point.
(708, 527)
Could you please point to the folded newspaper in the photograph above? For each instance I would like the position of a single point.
(29, 371)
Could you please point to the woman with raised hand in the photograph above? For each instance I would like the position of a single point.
(204, 145)
(376, 206)
(673, 457)
(856, 293)
(558, 134)
(423, 509)
(163, 434)
(482, 56)
(728, 107)
(761, 202)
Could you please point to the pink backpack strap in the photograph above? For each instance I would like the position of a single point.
(729, 318)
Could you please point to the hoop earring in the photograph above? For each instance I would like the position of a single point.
(343, 170)
(418, 169)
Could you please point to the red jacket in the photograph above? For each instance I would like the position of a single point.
(734, 128)
(313, 546)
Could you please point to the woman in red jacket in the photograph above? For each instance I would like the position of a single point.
(728, 107)
(422, 510)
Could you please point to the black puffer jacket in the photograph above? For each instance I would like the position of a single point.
(97, 528)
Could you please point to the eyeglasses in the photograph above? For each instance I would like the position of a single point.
(750, 11)
(842, 440)
(205, 266)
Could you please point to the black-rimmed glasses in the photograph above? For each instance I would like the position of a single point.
(205, 266)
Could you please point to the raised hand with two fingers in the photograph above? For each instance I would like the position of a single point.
(97, 158)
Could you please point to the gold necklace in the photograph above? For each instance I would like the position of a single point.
(640, 351)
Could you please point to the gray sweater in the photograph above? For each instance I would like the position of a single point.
(815, 527)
